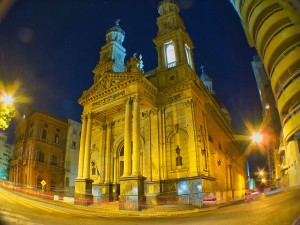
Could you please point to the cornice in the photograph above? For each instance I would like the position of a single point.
(94, 93)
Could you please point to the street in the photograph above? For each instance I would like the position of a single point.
(280, 208)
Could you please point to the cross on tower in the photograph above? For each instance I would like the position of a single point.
(202, 68)
(117, 22)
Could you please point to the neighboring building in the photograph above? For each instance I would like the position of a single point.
(39, 152)
(72, 153)
(273, 28)
(271, 126)
(158, 136)
(6, 152)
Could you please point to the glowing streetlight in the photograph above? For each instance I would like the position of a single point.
(263, 180)
(256, 137)
(7, 99)
(261, 173)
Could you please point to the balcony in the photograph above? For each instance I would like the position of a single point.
(281, 150)
(290, 94)
(291, 123)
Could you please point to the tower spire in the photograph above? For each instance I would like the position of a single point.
(207, 81)
(112, 54)
(173, 43)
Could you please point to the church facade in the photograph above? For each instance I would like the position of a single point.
(156, 137)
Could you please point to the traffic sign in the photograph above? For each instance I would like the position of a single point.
(43, 182)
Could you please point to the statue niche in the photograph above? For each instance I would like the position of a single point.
(178, 158)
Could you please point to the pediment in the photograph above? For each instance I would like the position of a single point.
(108, 83)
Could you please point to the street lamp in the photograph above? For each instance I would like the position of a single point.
(7, 99)
(256, 137)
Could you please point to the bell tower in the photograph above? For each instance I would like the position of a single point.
(112, 54)
(173, 44)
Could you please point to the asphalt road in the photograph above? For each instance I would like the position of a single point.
(280, 208)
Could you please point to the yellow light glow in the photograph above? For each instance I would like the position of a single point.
(263, 180)
(256, 137)
(261, 173)
(7, 99)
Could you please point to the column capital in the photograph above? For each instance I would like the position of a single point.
(154, 111)
(128, 100)
(136, 98)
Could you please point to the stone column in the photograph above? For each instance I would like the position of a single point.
(107, 155)
(127, 140)
(102, 153)
(86, 170)
(81, 150)
(136, 138)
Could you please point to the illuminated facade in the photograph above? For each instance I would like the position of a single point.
(39, 152)
(273, 28)
(72, 154)
(158, 136)
(6, 151)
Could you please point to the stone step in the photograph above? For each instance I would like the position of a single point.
(174, 207)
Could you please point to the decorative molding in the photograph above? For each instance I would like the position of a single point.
(108, 99)
(128, 78)
(189, 103)
(174, 98)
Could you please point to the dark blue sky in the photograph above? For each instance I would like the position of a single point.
(52, 46)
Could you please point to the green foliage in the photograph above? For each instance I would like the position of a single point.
(7, 112)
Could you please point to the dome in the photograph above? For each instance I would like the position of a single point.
(115, 33)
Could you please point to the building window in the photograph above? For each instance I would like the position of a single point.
(54, 160)
(67, 181)
(74, 144)
(74, 131)
(44, 134)
(188, 55)
(56, 139)
(68, 166)
(52, 185)
(41, 156)
(170, 54)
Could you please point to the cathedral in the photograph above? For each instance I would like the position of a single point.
(159, 136)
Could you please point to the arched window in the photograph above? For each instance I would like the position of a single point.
(170, 54)
(56, 139)
(44, 134)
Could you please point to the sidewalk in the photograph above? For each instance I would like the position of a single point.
(112, 208)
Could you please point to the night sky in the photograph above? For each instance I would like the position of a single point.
(52, 46)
